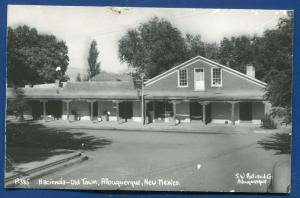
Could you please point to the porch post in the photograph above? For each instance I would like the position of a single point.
(68, 108)
(117, 110)
(44, 109)
(145, 111)
(92, 109)
(153, 121)
(204, 112)
(232, 112)
(174, 110)
(266, 107)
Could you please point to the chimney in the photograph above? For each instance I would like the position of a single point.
(250, 70)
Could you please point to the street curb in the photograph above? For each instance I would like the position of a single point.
(146, 130)
(208, 131)
(34, 173)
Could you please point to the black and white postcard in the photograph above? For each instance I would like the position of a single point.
(149, 99)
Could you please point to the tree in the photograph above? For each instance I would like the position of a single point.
(155, 46)
(17, 106)
(194, 45)
(94, 66)
(211, 51)
(32, 58)
(276, 58)
(271, 54)
(236, 52)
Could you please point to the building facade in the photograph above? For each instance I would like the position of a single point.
(201, 89)
(196, 90)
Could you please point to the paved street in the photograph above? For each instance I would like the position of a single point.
(168, 161)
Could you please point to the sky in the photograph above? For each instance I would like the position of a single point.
(78, 26)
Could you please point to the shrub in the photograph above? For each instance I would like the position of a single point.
(17, 106)
(281, 115)
(268, 122)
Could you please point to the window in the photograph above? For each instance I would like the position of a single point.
(216, 77)
(182, 78)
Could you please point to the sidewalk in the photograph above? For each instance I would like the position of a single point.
(24, 172)
(192, 127)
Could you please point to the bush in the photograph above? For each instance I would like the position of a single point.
(281, 115)
(17, 105)
(268, 122)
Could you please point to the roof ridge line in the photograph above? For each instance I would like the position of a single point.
(206, 60)
(233, 70)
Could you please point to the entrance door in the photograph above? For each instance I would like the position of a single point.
(245, 111)
(195, 111)
(199, 79)
(95, 109)
(54, 108)
(37, 109)
(126, 110)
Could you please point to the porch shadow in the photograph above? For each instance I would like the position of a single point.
(279, 142)
(29, 141)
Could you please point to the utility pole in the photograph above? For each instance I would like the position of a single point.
(142, 98)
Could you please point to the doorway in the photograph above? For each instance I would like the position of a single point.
(54, 108)
(199, 79)
(37, 109)
(195, 111)
(125, 110)
(163, 111)
(245, 111)
(95, 109)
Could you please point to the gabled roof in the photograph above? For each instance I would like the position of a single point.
(210, 62)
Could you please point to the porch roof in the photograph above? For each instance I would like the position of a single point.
(81, 90)
(103, 86)
(231, 95)
(100, 90)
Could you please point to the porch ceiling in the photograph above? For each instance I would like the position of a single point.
(209, 96)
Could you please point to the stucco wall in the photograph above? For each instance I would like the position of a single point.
(257, 112)
(184, 109)
(136, 105)
(81, 108)
(28, 110)
(108, 106)
(221, 112)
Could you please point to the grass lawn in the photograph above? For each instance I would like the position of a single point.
(29, 141)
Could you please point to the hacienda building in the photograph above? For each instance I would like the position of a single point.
(197, 90)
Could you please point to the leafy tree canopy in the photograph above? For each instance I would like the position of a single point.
(155, 46)
(276, 57)
(271, 54)
(33, 58)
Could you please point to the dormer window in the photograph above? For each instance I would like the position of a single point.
(182, 78)
(216, 77)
